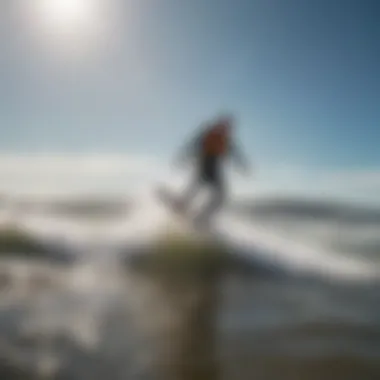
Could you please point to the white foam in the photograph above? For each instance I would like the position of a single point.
(149, 218)
(254, 240)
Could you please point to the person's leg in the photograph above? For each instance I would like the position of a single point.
(217, 197)
(200, 176)
(189, 194)
(216, 183)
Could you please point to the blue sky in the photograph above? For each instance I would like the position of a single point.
(302, 77)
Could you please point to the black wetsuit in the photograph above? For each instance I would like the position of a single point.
(209, 172)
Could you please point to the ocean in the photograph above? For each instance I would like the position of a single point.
(302, 303)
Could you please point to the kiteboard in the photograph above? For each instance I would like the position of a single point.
(183, 215)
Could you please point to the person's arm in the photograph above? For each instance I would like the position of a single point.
(188, 149)
(240, 159)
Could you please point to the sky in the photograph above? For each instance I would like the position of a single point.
(100, 89)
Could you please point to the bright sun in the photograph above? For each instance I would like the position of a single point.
(72, 28)
(67, 16)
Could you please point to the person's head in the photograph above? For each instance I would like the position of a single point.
(224, 124)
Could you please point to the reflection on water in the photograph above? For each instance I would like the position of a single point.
(182, 310)
(187, 314)
(96, 322)
(177, 321)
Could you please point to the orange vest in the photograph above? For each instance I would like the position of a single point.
(215, 142)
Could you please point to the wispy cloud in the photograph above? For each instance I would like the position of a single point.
(70, 173)
(59, 173)
(354, 184)
(365, 179)
(96, 164)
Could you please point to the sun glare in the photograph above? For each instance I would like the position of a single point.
(68, 17)
(71, 28)
(66, 13)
